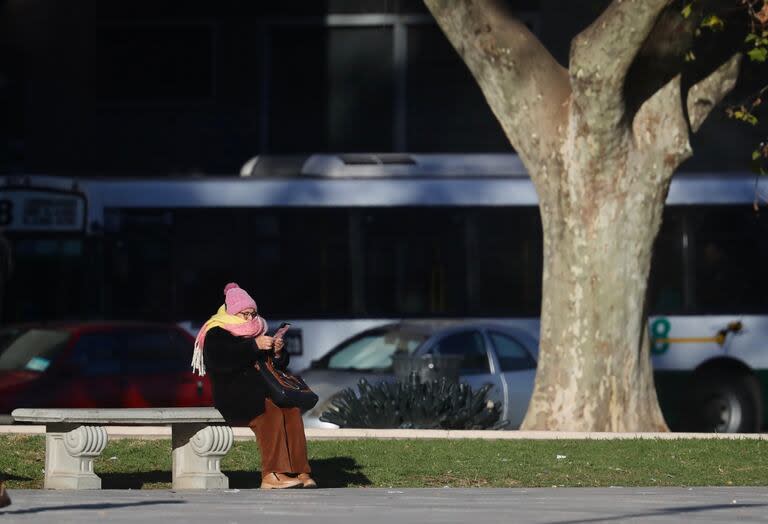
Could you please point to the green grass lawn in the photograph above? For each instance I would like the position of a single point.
(436, 463)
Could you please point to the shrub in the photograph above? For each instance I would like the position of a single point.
(438, 404)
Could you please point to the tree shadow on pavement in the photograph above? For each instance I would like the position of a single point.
(80, 507)
(336, 472)
(661, 512)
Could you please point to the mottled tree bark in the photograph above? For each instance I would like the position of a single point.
(601, 165)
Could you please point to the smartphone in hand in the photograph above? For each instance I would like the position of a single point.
(285, 326)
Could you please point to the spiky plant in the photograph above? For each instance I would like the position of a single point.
(438, 404)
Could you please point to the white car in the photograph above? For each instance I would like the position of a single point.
(500, 355)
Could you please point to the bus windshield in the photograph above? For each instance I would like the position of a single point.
(29, 349)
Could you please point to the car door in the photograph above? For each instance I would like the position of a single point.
(157, 372)
(517, 370)
(476, 365)
(90, 376)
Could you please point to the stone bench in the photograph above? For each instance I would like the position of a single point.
(74, 437)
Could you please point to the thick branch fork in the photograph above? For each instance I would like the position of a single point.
(602, 54)
(524, 85)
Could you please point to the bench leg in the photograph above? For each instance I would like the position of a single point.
(69, 453)
(197, 453)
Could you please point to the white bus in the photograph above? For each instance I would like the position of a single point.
(339, 243)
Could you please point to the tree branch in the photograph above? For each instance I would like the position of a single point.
(660, 125)
(523, 84)
(705, 95)
(602, 54)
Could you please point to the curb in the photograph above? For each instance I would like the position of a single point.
(164, 432)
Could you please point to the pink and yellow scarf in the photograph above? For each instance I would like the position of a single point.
(238, 326)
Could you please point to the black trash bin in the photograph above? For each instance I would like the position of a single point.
(427, 367)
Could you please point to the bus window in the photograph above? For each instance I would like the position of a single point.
(505, 260)
(293, 261)
(57, 267)
(414, 261)
(730, 250)
(313, 276)
(138, 265)
(666, 289)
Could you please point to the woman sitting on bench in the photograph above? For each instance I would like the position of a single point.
(226, 346)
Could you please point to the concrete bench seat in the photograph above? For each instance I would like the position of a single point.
(74, 437)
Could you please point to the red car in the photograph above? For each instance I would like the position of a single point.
(99, 365)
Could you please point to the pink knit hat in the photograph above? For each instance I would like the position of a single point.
(237, 299)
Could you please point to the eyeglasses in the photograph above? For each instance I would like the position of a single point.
(248, 314)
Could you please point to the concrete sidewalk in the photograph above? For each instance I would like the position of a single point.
(401, 505)
(164, 432)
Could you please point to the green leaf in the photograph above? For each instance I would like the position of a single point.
(758, 54)
(756, 154)
(713, 22)
(750, 37)
(686, 12)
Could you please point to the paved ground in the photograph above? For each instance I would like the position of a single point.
(399, 506)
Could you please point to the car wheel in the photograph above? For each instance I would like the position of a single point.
(725, 404)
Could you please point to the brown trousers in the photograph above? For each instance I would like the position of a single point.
(280, 434)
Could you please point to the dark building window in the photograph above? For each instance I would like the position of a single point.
(153, 61)
(446, 109)
(331, 89)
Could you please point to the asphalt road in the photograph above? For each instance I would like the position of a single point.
(399, 506)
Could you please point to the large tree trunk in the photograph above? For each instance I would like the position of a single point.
(594, 369)
(601, 164)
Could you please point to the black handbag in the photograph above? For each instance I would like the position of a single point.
(285, 389)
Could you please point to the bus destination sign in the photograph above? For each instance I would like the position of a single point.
(41, 210)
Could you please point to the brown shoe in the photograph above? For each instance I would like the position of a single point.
(308, 481)
(279, 481)
(5, 500)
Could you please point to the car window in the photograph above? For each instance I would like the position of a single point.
(7, 336)
(470, 345)
(512, 354)
(30, 349)
(96, 354)
(155, 351)
(133, 351)
(374, 351)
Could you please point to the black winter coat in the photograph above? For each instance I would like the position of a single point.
(238, 389)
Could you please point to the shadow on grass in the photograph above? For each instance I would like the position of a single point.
(336, 472)
(5, 477)
(339, 472)
(135, 480)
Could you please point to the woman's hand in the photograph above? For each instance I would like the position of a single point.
(279, 343)
(265, 343)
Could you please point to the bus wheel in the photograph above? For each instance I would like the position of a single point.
(726, 404)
